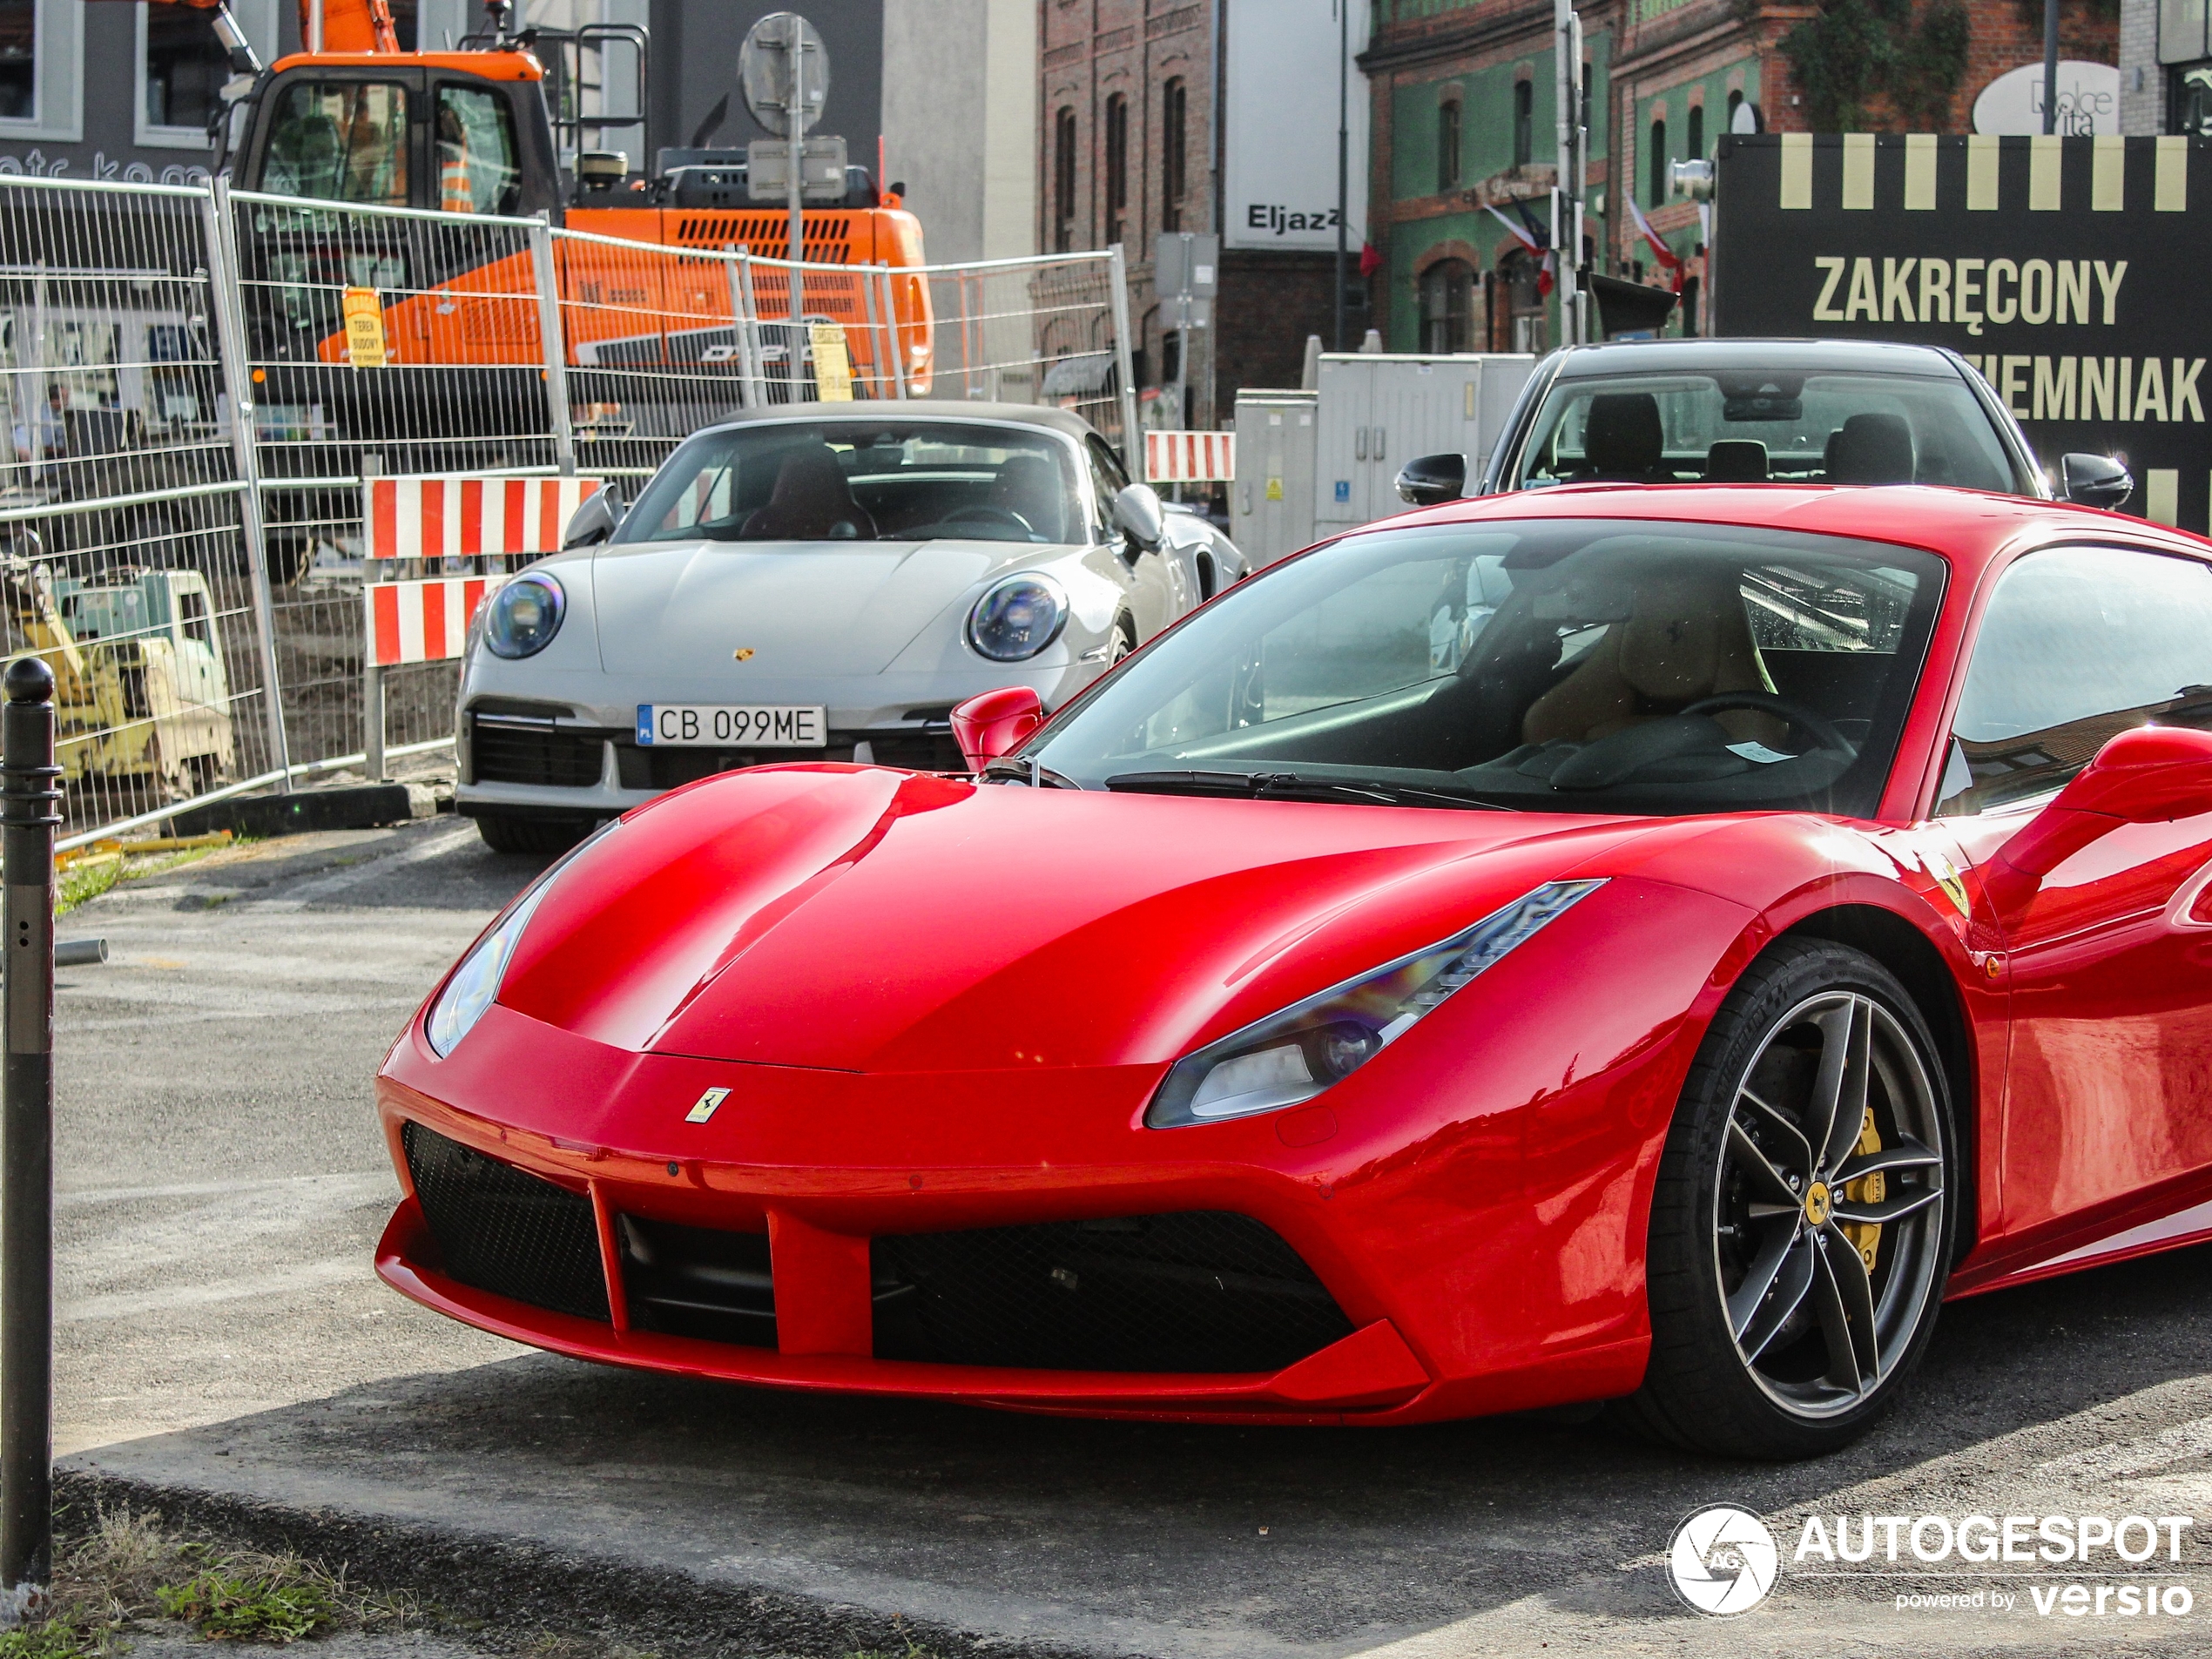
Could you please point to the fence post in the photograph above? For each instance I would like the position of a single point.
(890, 322)
(29, 808)
(733, 257)
(373, 718)
(757, 371)
(555, 349)
(227, 301)
(1132, 441)
(880, 380)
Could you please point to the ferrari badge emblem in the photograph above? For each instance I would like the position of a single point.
(1947, 875)
(704, 1107)
(744, 653)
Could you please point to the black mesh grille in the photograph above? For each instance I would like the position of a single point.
(1202, 1290)
(502, 751)
(698, 1282)
(504, 1231)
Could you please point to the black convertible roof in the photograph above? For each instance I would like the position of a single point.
(1750, 356)
(921, 408)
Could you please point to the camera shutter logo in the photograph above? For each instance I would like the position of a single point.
(1724, 1560)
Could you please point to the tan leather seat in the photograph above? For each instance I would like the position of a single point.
(1686, 638)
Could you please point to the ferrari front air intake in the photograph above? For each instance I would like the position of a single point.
(502, 1231)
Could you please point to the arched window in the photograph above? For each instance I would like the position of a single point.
(1735, 103)
(1656, 189)
(1447, 145)
(1117, 167)
(1524, 122)
(1448, 306)
(1063, 180)
(1174, 155)
(1696, 148)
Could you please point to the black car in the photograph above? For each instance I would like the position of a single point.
(1759, 411)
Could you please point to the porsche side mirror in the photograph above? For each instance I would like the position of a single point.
(596, 520)
(996, 723)
(2151, 774)
(1139, 516)
(2095, 480)
(1428, 481)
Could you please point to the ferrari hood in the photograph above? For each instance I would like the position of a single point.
(841, 608)
(870, 920)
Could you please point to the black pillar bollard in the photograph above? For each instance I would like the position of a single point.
(29, 800)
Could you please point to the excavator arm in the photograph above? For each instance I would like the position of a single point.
(349, 26)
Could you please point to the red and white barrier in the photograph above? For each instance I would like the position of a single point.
(1189, 457)
(423, 622)
(456, 514)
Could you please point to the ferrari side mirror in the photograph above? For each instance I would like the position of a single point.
(1139, 516)
(996, 723)
(2151, 774)
(2095, 480)
(1428, 481)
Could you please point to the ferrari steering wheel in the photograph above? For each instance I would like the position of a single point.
(1781, 709)
(982, 514)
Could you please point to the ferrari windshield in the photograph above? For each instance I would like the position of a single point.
(863, 480)
(1752, 426)
(1572, 666)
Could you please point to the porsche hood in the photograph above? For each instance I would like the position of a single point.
(842, 608)
(869, 920)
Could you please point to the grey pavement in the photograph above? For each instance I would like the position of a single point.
(222, 1334)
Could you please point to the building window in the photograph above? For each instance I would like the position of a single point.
(1117, 166)
(1063, 180)
(1174, 155)
(1524, 122)
(1656, 188)
(1696, 147)
(1447, 145)
(1448, 306)
(1735, 103)
(19, 60)
(185, 67)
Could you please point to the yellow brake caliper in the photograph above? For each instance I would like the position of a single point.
(1866, 1236)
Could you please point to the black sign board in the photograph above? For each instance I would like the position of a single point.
(2071, 272)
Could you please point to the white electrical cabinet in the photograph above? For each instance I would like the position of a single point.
(1374, 411)
(1270, 503)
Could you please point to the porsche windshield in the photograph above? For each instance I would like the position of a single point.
(1751, 428)
(1556, 664)
(851, 480)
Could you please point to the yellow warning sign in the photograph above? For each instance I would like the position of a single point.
(1274, 490)
(364, 328)
(832, 363)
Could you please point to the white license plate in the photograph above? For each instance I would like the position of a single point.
(732, 726)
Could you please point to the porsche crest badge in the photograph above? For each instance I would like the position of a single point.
(744, 653)
(703, 1108)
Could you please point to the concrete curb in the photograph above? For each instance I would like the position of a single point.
(520, 1590)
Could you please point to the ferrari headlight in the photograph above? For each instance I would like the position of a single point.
(1290, 1057)
(520, 619)
(1017, 618)
(474, 985)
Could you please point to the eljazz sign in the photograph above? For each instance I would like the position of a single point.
(2068, 270)
(1281, 125)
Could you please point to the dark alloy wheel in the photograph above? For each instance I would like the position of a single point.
(1800, 1234)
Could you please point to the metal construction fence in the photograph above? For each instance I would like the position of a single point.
(196, 578)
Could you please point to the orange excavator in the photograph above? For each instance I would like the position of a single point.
(497, 127)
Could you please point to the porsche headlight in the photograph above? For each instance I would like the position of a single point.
(520, 619)
(474, 985)
(1017, 618)
(1290, 1057)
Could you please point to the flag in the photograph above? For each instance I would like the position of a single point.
(1533, 237)
(1666, 256)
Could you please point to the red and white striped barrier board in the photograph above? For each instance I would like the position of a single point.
(453, 515)
(421, 622)
(1189, 457)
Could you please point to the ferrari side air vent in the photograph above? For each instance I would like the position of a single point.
(1200, 1291)
(502, 1231)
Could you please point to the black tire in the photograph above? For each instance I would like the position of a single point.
(1124, 641)
(510, 833)
(1786, 1333)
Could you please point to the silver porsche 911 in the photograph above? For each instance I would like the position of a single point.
(815, 584)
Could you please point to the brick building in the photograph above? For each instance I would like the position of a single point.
(1463, 114)
(1129, 100)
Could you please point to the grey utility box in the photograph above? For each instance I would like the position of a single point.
(1377, 411)
(1270, 503)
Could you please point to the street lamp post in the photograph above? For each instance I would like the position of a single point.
(1343, 156)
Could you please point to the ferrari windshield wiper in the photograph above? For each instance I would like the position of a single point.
(1289, 785)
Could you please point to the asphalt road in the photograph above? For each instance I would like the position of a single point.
(222, 1184)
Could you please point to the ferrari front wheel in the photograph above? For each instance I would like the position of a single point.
(1800, 1227)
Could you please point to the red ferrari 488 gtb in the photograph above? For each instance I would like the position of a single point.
(1646, 945)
